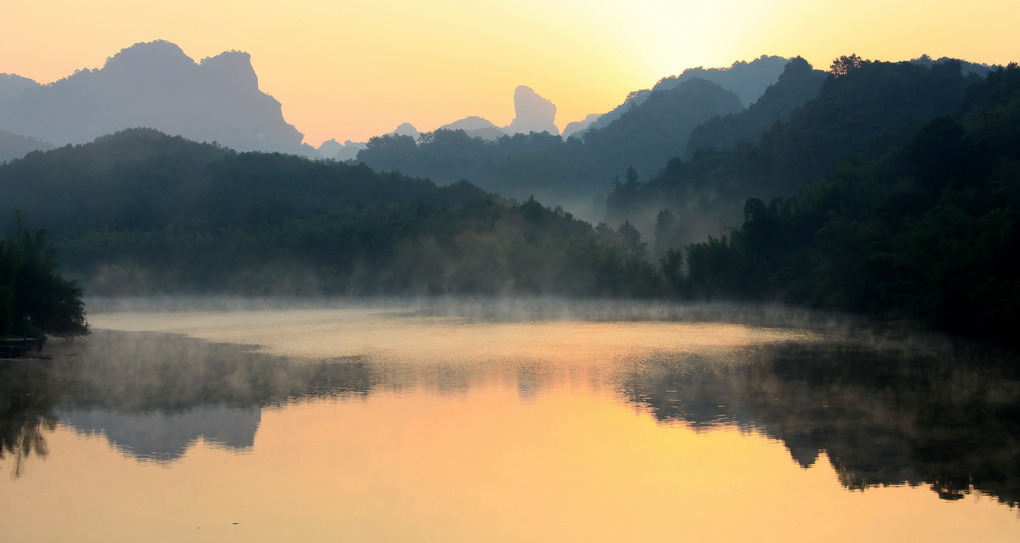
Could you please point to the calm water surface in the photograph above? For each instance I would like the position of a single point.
(397, 424)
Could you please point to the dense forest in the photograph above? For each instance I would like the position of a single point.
(567, 171)
(139, 212)
(924, 229)
(885, 189)
(773, 149)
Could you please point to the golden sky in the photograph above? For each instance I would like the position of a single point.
(353, 69)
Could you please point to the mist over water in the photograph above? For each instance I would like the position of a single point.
(508, 420)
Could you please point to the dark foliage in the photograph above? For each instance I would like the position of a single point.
(140, 212)
(34, 299)
(857, 116)
(928, 231)
(645, 137)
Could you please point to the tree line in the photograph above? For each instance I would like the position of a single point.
(898, 189)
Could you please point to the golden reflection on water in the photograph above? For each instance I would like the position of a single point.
(391, 335)
(526, 441)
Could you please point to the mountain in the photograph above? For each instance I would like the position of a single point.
(12, 86)
(406, 129)
(748, 80)
(539, 163)
(142, 178)
(648, 134)
(923, 228)
(476, 127)
(334, 150)
(140, 212)
(798, 83)
(859, 115)
(578, 126)
(155, 85)
(533, 113)
(16, 146)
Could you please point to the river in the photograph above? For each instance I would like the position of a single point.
(494, 421)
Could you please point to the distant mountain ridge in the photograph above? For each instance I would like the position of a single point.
(544, 165)
(15, 145)
(153, 85)
(748, 80)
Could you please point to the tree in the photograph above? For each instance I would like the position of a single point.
(34, 299)
(845, 64)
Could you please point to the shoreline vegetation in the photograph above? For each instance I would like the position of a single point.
(35, 301)
(891, 212)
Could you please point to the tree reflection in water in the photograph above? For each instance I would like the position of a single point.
(152, 394)
(883, 416)
(29, 392)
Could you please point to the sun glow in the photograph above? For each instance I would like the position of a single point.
(351, 70)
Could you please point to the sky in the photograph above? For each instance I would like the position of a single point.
(350, 70)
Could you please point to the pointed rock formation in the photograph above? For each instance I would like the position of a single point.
(534, 113)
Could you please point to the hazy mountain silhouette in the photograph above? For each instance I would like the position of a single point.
(16, 146)
(165, 436)
(476, 127)
(544, 165)
(748, 80)
(154, 85)
(578, 126)
(650, 133)
(798, 83)
(406, 129)
(533, 113)
(12, 86)
(335, 150)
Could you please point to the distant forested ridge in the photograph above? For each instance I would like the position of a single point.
(921, 225)
(140, 212)
(551, 168)
(884, 189)
(855, 116)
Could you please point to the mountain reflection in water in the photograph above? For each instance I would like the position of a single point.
(882, 414)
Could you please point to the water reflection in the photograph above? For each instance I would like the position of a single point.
(163, 436)
(882, 415)
(29, 391)
(153, 395)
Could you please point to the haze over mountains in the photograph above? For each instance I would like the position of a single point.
(835, 190)
(152, 85)
(156, 85)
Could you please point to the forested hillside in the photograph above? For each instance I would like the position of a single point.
(925, 229)
(860, 111)
(139, 212)
(540, 164)
(893, 193)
